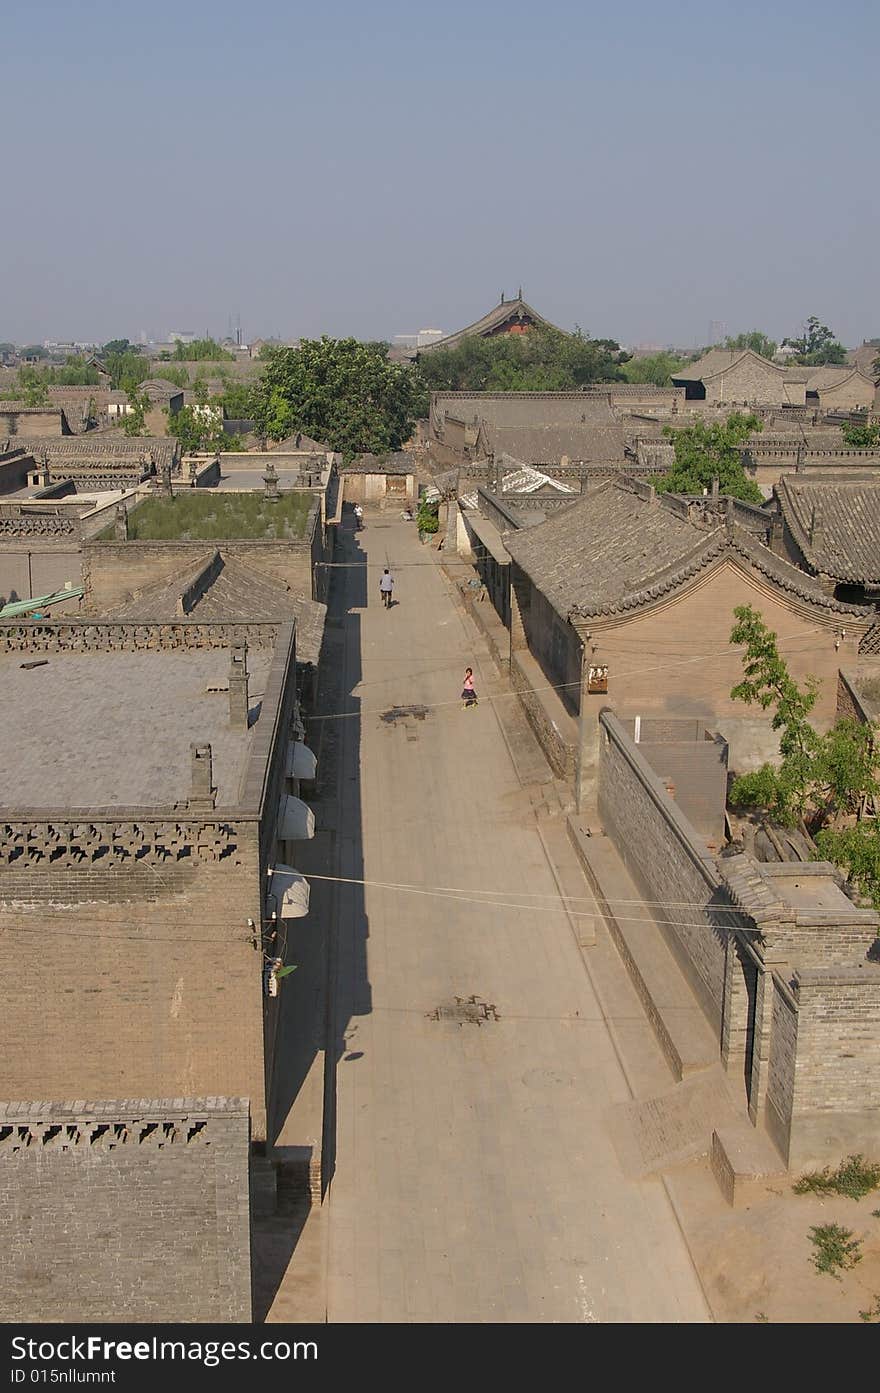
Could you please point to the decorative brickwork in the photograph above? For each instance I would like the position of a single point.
(127, 1211)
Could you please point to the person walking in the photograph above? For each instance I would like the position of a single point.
(358, 517)
(386, 587)
(468, 691)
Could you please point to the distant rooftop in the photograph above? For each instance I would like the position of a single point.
(114, 729)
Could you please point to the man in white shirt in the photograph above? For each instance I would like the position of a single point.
(386, 586)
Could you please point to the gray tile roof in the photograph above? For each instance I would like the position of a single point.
(621, 547)
(835, 524)
(598, 440)
(719, 360)
(237, 592)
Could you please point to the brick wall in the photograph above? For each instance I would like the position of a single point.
(37, 566)
(113, 571)
(695, 767)
(748, 382)
(135, 981)
(667, 860)
(28, 422)
(561, 753)
(837, 1080)
(132, 936)
(91, 636)
(676, 659)
(125, 1212)
(782, 1065)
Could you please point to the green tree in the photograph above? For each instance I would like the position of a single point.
(134, 420)
(657, 368)
(339, 391)
(860, 437)
(35, 350)
(816, 346)
(237, 401)
(114, 346)
(176, 374)
(822, 781)
(544, 359)
(34, 391)
(706, 452)
(199, 430)
(755, 340)
(201, 350)
(127, 370)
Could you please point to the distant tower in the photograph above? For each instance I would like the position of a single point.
(717, 331)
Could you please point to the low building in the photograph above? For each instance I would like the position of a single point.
(830, 527)
(385, 479)
(20, 421)
(145, 883)
(739, 377)
(629, 595)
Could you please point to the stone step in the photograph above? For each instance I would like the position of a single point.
(682, 1031)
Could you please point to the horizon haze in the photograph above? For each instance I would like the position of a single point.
(375, 171)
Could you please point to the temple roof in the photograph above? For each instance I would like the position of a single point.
(505, 312)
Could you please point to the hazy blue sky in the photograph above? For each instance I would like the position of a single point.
(641, 169)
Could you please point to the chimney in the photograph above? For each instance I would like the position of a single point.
(120, 524)
(238, 687)
(270, 479)
(203, 792)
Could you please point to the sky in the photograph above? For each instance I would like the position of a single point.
(373, 167)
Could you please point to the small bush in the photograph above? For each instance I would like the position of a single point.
(854, 1177)
(835, 1248)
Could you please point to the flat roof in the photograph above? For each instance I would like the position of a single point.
(114, 729)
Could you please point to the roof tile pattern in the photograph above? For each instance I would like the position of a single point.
(619, 548)
(835, 524)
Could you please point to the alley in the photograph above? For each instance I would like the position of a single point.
(474, 1179)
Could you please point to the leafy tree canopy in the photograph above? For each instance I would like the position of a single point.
(199, 430)
(339, 391)
(755, 340)
(706, 452)
(133, 422)
(115, 346)
(654, 367)
(816, 346)
(822, 780)
(34, 350)
(201, 350)
(860, 437)
(237, 401)
(75, 372)
(544, 359)
(127, 370)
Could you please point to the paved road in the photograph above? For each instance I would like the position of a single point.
(474, 1180)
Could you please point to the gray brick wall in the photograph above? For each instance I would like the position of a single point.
(667, 860)
(125, 1211)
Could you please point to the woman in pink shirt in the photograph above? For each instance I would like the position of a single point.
(468, 691)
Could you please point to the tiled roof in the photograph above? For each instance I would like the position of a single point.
(595, 441)
(235, 591)
(716, 361)
(835, 524)
(492, 322)
(620, 547)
